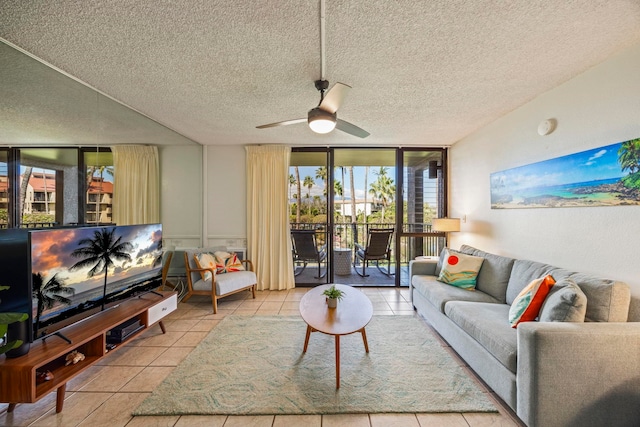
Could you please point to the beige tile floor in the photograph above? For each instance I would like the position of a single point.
(106, 394)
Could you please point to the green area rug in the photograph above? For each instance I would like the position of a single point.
(255, 365)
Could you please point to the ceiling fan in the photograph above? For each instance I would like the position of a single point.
(324, 118)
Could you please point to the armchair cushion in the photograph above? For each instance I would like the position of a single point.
(227, 263)
(226, 283)
(205, 260)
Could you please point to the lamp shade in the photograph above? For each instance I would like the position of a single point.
(446, 224)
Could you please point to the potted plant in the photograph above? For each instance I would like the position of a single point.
(7, 342)
(333, 295)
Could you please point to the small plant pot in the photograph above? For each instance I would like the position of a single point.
(332, 302)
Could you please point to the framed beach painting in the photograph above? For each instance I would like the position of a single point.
(605, 176)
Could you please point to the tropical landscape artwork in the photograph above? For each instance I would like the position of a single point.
(605, 176)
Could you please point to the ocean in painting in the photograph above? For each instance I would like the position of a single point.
(588, 178)
(590, 193)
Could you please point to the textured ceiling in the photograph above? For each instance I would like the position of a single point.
(423, 73)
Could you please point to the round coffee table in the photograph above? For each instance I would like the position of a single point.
(353, 313)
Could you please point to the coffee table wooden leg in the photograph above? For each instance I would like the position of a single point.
(60, 397)
(306, 340)
(337, 361)
(364, 338)
(11, 407)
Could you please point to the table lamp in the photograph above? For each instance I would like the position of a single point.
(445, 225)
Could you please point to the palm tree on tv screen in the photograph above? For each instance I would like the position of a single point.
(49, 293)
(100, 253)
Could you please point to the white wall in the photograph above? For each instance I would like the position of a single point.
(226, 200)
(597, 108)
(181, 195)
(203, 201)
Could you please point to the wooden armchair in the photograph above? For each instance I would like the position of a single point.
(219, 285)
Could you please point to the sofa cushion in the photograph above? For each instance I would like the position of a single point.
(526, 306)
(494, 273)
(634, 306)
(488, 324)
(607, 300)
(525, 271)
(460, 269)
(439, 293)
(565, 303)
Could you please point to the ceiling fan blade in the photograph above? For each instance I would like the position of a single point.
(351, 129)
(285, 123)
(334, 98)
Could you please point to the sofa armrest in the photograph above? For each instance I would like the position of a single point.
(423, 267)
(578, 374)
(420, 267)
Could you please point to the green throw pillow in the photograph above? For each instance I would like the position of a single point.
(459, 269)
(565, 303)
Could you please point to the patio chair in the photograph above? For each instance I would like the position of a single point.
(217, 285)
(378, 248)
(306, 249)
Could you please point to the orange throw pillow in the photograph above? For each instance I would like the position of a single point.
(526, 306)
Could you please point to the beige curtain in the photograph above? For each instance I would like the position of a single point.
(136, 192)
(268, 216)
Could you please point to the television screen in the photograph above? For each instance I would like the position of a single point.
(77, 272)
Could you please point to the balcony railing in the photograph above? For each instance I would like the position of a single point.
(420, 241)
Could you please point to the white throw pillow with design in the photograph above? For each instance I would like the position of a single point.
(205, 260)
(460, 270)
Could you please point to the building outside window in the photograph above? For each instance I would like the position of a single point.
(47, 187)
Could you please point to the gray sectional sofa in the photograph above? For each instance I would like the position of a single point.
(550, 373)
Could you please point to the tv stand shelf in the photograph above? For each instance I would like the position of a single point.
(18, 377)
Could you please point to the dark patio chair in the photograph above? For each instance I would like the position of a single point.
(378, 248)
(306, 249)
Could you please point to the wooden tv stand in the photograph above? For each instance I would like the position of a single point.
(18, 380)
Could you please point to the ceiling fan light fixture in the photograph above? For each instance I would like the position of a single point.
(321, 121)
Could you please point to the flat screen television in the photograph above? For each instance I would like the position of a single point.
(77, 272)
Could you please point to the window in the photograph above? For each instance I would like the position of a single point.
(99, 173)
(46, 187)
(37, 197)
(4, 190)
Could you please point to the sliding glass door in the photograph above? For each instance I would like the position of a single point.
(359, 215)
(423, 199)
(309, 216)
(364, 206)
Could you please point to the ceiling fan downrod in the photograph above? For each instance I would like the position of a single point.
(322, 86)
